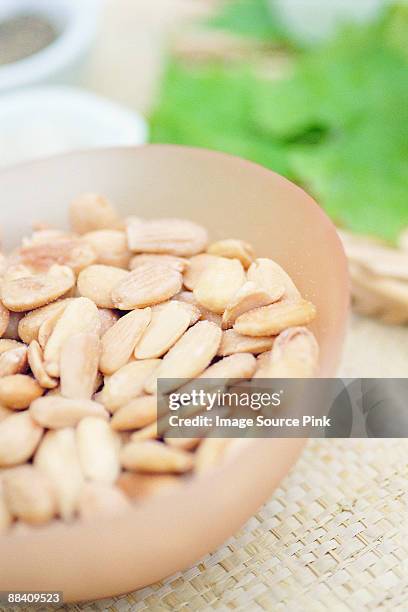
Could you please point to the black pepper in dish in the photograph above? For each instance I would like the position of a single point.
(24, 35)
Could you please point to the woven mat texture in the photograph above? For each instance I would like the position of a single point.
(333, 537)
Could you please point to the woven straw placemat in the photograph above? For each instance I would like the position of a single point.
(333, 537)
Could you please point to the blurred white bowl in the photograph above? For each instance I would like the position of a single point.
(75, 22)
(44, 121)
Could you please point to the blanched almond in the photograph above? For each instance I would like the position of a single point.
(136, 486)
(98, 448)
(18, 391)
(189, 356)
(218, 284)
(110, 247)
(101, 500)
(80, 316)
(97, 283)
(155, 457)
(295, 354)
(13, 361)
(29, 325)
(57, 458)
(140, 412)
(232, 342)
(28, 494)
(120, 340)
(241, 365)
(90, 212)
(233, 249)
(72, 252)
(4, 318)
(36, 363)
(19, 437)
(27, 293)
(167, 325)
(196, 266)
(268, 274)
(248, 297)
(149, 283)
(271, 320)
(180, 264)
(170, 236)
(127, 383)
(79, 365)
(108, 319)
(56, 412)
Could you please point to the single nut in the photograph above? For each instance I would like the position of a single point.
(29, 495)
(27, 293)
(97, 283)
(180, 264)
(268, 274)
(136, 486)
(18, 391)
(233, 249)
(196, 266)
(127, 383)
(57, 458)
(80, 316)
(189, 356)
(149, 283)
(218, 284)
(19, 437)
(72, 252)
(110, 247)
(120, 340)
(248, 297)
(98, 448)
(91, 212)
(155, 457)
(36, 363)
(139, 413)
(271, 320)
(232, 342)
(169, 236)
(295, 354)
(29, 326)
(167, 325)
(79, 365)
(56, 412)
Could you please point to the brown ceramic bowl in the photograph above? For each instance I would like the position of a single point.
(233, 198)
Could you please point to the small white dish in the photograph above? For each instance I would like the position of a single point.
(75, 22)
(44, 121)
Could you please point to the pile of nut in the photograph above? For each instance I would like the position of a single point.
(90, 319)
